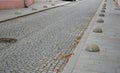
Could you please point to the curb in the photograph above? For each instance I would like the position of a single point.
(70, 66)
(1, 21)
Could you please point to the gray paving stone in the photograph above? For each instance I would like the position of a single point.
(42, 36)
(107, 60)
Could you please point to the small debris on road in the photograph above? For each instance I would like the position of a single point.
(8, 40)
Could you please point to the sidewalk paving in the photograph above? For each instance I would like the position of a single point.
(106, 44)
(36, 7)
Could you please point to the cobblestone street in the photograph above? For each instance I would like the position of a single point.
(44, 38)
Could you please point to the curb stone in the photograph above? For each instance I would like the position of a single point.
(19, 16)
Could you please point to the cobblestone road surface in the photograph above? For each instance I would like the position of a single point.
(42, 37)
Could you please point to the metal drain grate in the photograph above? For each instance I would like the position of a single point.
(8, 40)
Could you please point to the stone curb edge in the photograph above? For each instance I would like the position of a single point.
(1, 21)
(73, 60)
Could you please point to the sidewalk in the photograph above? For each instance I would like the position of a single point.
(99, 49)
(37, 7)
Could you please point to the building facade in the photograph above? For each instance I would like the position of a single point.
(10, 4)
(117, 2)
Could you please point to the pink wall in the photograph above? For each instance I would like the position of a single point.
(8, 4)
(29, 2)
(118, 2)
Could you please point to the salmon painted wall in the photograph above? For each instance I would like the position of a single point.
(29, 2)
(10, 4)
(118, 2)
